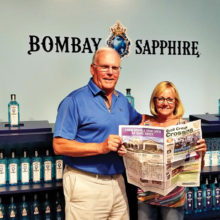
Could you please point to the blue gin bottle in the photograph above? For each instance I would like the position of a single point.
(3, 169)
(13, 112)
(36, 168)
(58, 168)
(189, 201)
(197, 199)
(35, 209)
(24, 209)
(130, 97)
(25, 168)
(12, 210)
(209, 193)
(58, 207)
(204, 188)
(2, 210)
(13, 169)
(48, 167)
(47, 208)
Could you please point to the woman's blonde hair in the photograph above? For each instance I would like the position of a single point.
(161, 87)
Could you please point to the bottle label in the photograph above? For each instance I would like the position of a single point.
(47, 171)
(199, 199)
(13, 173)
(25, 170)
(59, 169)
(189, 200)
(2, 174)
(208, 199)
(24, 212)
(217, 197)
(47, 210)
(59, 208)
(14, 114)
(36, 210)
(12, 214)
(36, 171)
(1, 214)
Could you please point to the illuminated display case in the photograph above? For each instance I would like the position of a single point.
(29, 135)
(210, 131)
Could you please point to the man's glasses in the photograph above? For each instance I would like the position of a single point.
(161, 100)
(105, 68)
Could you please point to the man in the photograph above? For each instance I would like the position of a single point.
(86, 133)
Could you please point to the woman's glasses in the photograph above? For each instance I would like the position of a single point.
(161, 100)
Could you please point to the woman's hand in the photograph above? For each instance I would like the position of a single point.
(122, 150)
(201, 147)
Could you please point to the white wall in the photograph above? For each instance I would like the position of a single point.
(42, 79)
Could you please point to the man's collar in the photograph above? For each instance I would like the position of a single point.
(96, 90)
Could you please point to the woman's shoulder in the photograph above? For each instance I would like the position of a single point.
(147, 120)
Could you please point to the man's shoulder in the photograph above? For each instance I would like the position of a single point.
(78, 92)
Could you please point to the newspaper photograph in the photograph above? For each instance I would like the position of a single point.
(160, 158)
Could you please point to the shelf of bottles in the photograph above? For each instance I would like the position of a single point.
(28, 163)
(30, 173)
(37, 206)
(203, 202)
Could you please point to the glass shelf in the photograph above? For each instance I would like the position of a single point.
(6, 190)
(212, 214)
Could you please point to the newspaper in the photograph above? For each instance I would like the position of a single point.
(160, 158)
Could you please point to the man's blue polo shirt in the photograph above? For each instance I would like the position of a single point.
(84, 117)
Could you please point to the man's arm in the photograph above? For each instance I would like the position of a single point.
(74, 148)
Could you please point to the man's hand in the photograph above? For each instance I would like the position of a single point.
(112, 143)
(122, 150)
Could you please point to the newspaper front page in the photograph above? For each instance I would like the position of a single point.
(160, 158)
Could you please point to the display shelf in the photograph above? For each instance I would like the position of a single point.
(8, 190)
(25, 127)
(210, 124)
(212, 214)
(30, 135)
(31, 131)
(206, 118)
(212, 169)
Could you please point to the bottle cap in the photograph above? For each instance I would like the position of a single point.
(13, 97)
(36, 153)
(25, 153)
(128, 91)
(12, 154)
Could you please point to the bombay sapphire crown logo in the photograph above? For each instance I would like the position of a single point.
(118, 40)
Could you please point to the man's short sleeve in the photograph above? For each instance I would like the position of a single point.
(135, 117)
(67, 119)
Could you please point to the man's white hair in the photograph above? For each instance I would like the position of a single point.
(101, 49)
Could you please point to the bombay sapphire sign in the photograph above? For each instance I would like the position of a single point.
(119, 40)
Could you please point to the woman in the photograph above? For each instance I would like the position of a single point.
(167, 109)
